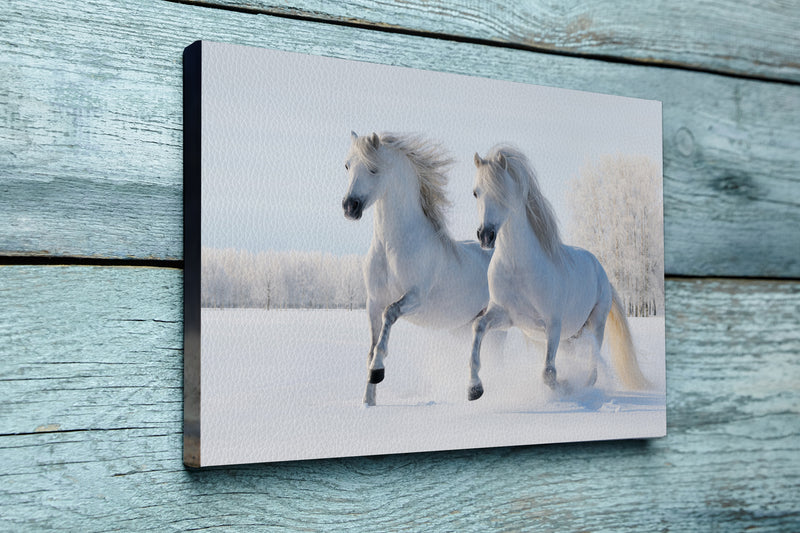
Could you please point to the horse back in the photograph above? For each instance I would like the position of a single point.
(590, 281)
(536, 293)
(589, 268)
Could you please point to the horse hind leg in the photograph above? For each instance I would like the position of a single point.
(549, 375)
(592, 379)
(595, 327)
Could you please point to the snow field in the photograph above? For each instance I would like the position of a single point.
(288, 384)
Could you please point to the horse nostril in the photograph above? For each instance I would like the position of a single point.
(486, 236)
(352, 208)
(350, 204)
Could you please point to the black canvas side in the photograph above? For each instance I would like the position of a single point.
(192, 99)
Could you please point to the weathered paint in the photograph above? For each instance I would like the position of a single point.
(744, 38)
(91, 358)
(98, 352)
(92, 164)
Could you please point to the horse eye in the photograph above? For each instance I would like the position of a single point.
(475, 194)
(371, 171)
(347, 166)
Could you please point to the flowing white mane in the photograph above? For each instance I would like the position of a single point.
(538, 209)
(430, 163)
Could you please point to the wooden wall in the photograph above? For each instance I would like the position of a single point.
(91, 281)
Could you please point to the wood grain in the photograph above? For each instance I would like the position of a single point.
(91, 358)
(91, 136)
(90, 430)
(741, 38)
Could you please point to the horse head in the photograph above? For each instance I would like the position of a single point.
(364, 187)
(496, 193)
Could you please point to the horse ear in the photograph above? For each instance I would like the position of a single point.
(353, 135)
(502, 160)
(478, 160)
(375, 140)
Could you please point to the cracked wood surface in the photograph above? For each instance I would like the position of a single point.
(92, 418)
(91, 357)
(743, 38)
(91, 157)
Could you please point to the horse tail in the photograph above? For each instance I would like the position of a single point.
(623, 354)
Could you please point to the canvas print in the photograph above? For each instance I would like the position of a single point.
(387, 260)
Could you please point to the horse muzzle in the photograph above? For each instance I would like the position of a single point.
(487, 236)
(353, 208)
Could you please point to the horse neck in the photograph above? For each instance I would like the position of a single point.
(517, 234)
(399, 206)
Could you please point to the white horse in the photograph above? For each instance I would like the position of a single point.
(550, 291)
(413, 269)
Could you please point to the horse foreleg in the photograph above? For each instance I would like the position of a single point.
(553, 338)
(495, 317)
(374, 311)
(408, 303)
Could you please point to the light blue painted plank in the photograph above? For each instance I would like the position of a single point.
(749, 38)
(91, 158)
(91, 359)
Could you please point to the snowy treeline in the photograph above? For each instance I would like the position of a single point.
(618, 216)
(268, 280)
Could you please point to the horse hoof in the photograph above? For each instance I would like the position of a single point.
(549, 376)
(377, 375)
(475, 392)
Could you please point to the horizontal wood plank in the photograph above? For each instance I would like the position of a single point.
(91, 135)
(90, 430)
(741, 38)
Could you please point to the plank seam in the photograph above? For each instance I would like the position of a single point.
(178, 264)
(79, 430)
(77, 260)
(387, 28)
(689, 277)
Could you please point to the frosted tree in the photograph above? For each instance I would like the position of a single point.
(352, 291)
(269, 280)
(300, 280)
(219, 285)
(617, 214)
(266, 285)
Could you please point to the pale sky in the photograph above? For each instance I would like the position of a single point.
(276, 130)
